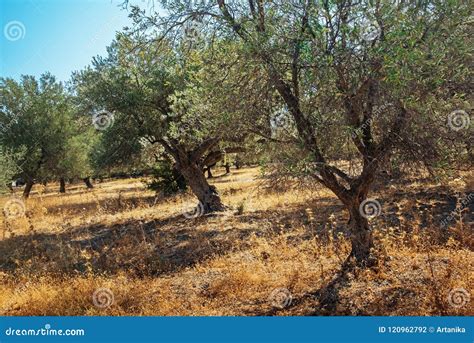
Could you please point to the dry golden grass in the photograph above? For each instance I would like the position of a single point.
(141, 250)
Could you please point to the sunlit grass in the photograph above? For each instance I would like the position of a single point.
(123, 238)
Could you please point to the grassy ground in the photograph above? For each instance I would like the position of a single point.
(120, 250)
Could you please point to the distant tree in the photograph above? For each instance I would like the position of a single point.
(74, 161)
(37, 115)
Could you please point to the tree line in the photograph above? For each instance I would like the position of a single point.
(330, 91)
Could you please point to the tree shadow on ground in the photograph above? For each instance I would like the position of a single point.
(109, 205)
(169, 245)
(428, 209)
(142, 248)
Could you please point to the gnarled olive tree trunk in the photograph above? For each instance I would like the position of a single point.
(207, 194)
(361, 235)
(190, 165)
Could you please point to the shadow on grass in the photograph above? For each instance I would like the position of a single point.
(172, 244)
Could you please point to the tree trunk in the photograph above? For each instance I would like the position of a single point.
(178, 177)
(87, 181)
(209, 172)
(227, 168)
(361, 235)
(207, 194)
(62, 185)
(28, 187)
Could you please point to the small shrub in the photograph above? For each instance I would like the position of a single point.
(166, 179)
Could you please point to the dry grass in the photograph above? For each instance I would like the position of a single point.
(140, 249)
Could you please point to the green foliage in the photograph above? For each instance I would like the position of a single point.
(161, 103)
(41, 128)
(345, 65)
(350, 69)
(37, 117)
(8, 167)
(166, 179)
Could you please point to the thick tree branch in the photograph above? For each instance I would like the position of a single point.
(197, 153)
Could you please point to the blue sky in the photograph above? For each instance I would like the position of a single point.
(58, 36)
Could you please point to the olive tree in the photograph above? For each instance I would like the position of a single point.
(373, 78)
(149, 95)
(36, 120)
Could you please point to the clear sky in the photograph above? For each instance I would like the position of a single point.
(58, 36)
